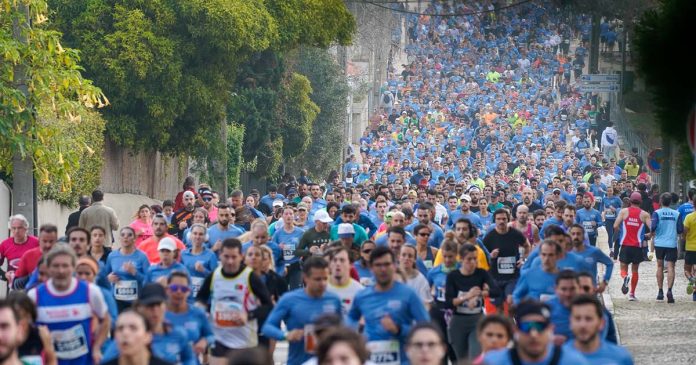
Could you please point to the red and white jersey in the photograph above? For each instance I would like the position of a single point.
(632, 228)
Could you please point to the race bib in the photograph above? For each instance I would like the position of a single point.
(506, 265)
(225, 312)
(70, 343)
(589, 227)
(384, 352)
(428, 264)
(289, 251)
(126, 290)
(545, 297)
(367, 281)
(464, 307)
(440, 293)
(610, 215)
(31, 360)
(196, 283)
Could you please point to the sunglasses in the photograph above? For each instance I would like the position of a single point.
(529, 326)
(586, 288)
(179, 288)
(367, 251)
(424, 234)
(207, 199)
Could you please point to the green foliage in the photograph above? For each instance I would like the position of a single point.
(658, 34)
(235, 140)
(298, 112)
(330, 93)
(53, 125)
(80, 146)
(317, 23)
(168, 65)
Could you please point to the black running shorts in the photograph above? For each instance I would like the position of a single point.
(631, 255)
(666, 253)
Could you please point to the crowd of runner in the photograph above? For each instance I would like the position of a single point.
(465, 230)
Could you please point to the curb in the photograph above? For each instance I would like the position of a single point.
(609, 304)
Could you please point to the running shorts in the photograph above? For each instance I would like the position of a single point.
(666, 253)
(631, 255)
(506, 288)
(690, 257)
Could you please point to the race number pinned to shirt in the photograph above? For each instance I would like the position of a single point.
(385, 352)
(589, 227)
(70, 343)
(196, 283)
(126, 290)
(428, 264)
(226, 312)
(440, 293)
(507, 264)
(288, 251)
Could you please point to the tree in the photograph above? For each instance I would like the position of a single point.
(50, 122)
(659, 34)
(330, 93)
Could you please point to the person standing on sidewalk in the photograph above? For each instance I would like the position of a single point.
(635, 226)
(100, 215)
(664, 244)
(586, 322)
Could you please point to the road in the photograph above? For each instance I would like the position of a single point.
(654, 332)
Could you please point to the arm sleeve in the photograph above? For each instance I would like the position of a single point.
(259, 289)
(272, 326)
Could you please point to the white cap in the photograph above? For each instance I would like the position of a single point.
(277, 203)
(465, 197)
(346, 228)
(323, 216)
(189, 194)
(166, 243)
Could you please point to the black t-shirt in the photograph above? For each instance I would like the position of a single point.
(504, 266)
(310, 239)
(457, 282)
(153, 361)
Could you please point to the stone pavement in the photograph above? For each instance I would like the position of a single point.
(654, 332)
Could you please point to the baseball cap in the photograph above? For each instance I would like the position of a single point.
(636, 197)
(556, 190)
(322, 216)
(189, 194)
(152, 293)
(345, 229)
(292, 191)
(205, 193)
(302, 206)
(166, 243)
(465, 197)
(277, 203)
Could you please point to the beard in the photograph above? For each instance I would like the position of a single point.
(5, 355)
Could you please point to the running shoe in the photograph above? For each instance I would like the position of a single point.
(670, 297)
(690, 286)
(632, 298)
(660, 295)
(627, 279)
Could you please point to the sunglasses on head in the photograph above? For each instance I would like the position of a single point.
(528, 326)
(179, 288)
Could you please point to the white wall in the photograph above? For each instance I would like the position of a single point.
(125, 206)
(5, 207)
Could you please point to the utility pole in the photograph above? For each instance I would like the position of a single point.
(23, 183)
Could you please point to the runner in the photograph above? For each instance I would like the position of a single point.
(159, 272)
(589, 218)
(533, 340)
(287, 238)
(78, 239)
(466, 289)
(539, 281)
(198, 260)
(224, 228)
(566, 289)
(48, 234)
(314, 240)
(425, 253)
(591, 256)
(125, 269)
(586, 286)
(611, 204)
(465, 212)
(413, 278)
(527, 228)
(9, 334)
(235, 297)
(362, 265)
(425, 345)
(425, 213)
(586, 322)
(437, 278)
(690, 253)
(133, 339)
(508, 250)
(299, 308)
(389, 309)
(664, 244)
(635, 227)
(13, 248)
(494, 332)
(190, 319)
(340, 282)
(68, 307)
(159, 230)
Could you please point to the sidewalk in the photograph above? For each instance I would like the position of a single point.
(654, 332)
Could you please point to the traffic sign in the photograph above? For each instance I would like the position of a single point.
(608, 78)
(599, 88)
(655, 160)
